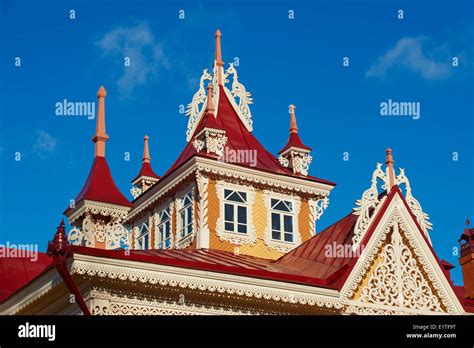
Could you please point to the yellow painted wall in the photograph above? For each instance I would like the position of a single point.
(260, 220)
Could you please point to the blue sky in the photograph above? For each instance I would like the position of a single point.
(282, 61)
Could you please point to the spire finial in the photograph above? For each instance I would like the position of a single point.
(58, 247)
(218, 57)
(390, 171)
(100, 137)
(210, 105)
(146, 151)
(293, 126)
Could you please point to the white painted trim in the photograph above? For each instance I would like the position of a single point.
(396, 209)
(230, 171)
(106, 209)
(31, 292)
(234, 237)
(281, 245)
(142, 272)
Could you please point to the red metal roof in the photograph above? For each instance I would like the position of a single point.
(146, 170)
(295, 141)
(312, 258)
(209, 260)
(16, 272)
(100, 185)
(238, 138)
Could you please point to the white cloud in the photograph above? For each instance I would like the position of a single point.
(138, 43)
(412, 53)
(44, 145)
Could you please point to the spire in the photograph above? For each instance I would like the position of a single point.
(146, 169)
(294, 140)
(210, 105)
(146, 151)
(146, 176)
(58, 247)
(390, 171)
(209, 120)
(218, 57)
(295, 155)
(100, 137)
(293, 127)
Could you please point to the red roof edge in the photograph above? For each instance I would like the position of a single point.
(155, 259)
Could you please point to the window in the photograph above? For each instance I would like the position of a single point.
(163, 228)
(282, 220)
(235, 211)
(185, 215)
(144, 236)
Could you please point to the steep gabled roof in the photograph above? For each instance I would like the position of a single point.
(100, 185)
(146, 170)
(294, 140)
(238, 138)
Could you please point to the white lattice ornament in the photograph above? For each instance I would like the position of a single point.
(368, 205)
(196, 108)
(244, 97)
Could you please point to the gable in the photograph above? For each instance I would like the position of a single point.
(398, 272)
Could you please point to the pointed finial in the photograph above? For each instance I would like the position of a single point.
(58, 247)
(293, 126)
(210, 105)
(146, 151)
(102, 93)
(390, 170)
(218, 53)
(218, 57)
(100, 137)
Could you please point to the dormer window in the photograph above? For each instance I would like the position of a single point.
(143, 238)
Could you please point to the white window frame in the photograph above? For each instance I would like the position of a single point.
(281, 216)
(235, 237)
(182, 241)
(145, 225)
(281, 245)
(159, 222)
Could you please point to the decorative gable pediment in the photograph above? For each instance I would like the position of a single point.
(397, 272)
